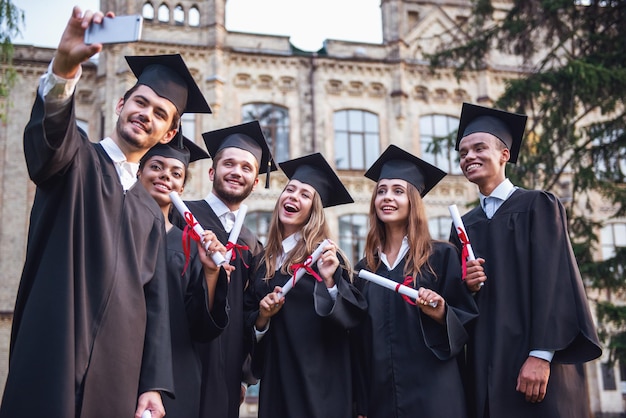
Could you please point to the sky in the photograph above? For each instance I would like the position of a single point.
(306, 22)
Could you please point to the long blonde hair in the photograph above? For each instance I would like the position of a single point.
(416, 230)
(314, 231)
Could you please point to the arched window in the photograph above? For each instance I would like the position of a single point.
(274, 122)
(164, 13)
(352, 235)
(147, 11)
(357, 141)
(179, 15)
(437, 142)
(194, 16)
(259, 223)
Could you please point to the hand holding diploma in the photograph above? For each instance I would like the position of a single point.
(217, 257)
(306, 267)
(411, 293)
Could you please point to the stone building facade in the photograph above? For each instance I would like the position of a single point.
(348, 101)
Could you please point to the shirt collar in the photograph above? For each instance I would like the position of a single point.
(502, 192)
(217, 205)
(113, 151)
(404, 248)
(288, 244)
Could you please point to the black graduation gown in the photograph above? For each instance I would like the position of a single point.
(407, 361)
(91, 315)
(223, 359)
(191, 322)
(533, 299)
(303, 361)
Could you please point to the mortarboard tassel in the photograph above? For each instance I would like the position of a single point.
(267, 174)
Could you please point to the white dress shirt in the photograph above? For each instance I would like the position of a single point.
(226, 217)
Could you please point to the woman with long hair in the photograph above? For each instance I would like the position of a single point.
(197, 287)
(407, 350)
(302, 352)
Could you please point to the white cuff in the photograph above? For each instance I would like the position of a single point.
(542, 354)
(260, 334)
(57, 89)
(333, 292)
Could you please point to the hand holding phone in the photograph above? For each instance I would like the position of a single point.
(115, 30)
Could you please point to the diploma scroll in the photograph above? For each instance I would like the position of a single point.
(468, 252)
(460, 230)
(391, 285)
(234, 233)
(146, 414)
(300, 272)
(217, 257)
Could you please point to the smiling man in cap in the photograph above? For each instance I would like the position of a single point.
(91, 328)
(240, 153)
(534, 330)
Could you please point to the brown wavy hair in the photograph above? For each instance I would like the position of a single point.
(416, 231)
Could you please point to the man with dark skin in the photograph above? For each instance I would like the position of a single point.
(534, 332)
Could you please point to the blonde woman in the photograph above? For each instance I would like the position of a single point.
(302, 352)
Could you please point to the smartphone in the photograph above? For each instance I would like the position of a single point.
(115, 30)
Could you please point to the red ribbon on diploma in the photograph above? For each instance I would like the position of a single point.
(188, 235)
(408, 281)
(239, 248)
(464, 251)
(306, 266)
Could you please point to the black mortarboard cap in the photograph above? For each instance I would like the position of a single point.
(315, 171)
(506, 126)
(187, 152)
(396, 163)
(170, 78)
(247, 136)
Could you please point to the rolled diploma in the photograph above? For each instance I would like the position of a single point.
(234, 233)
(290, 283)
(217, 257)
(391, 285)
(460, 230)
(146, 414)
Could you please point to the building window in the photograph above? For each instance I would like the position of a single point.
(357, 142)
(147, 11)
(259, 223)
(188, 122)
(440, 227)
(194, 16)
(608, 376)
(164, 13)
(437, 135)
(612, 235)
(179, 15)
(274, 122)
(352, 235)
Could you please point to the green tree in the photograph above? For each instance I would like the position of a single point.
(573, 56)
(11, 20)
